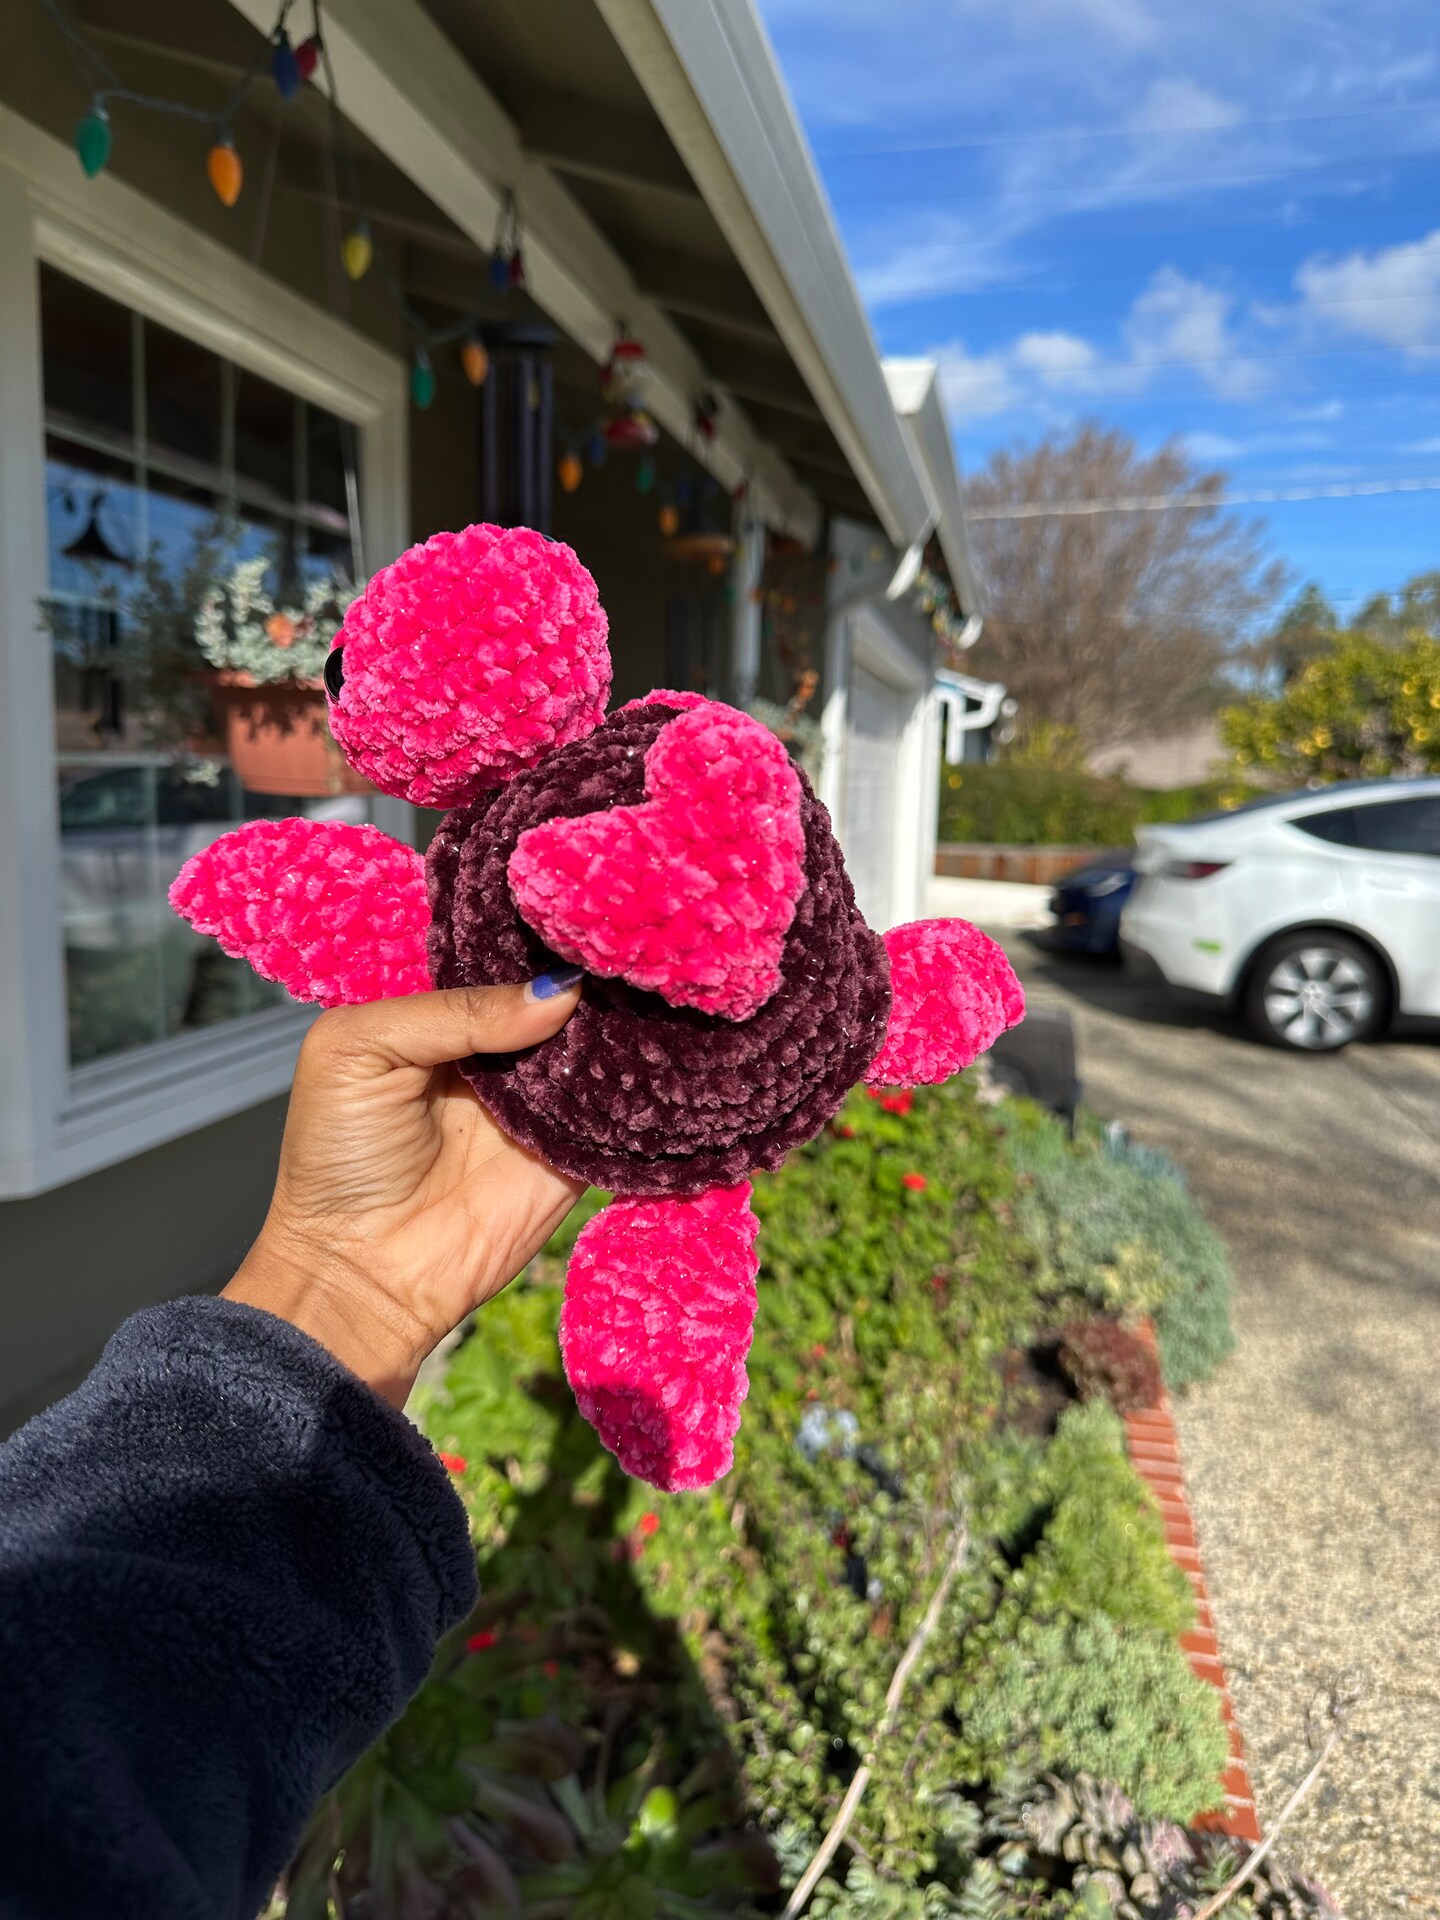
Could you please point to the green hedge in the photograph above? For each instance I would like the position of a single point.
(659, 1701)
(1013, 803)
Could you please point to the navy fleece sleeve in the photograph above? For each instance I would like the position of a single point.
(224, 1565)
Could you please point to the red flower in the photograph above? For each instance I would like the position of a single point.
(649, 1523)
(818, 1351)
(479, 1642)
(453, 1462)
(916, 1182)
(898, 1102)
(551, 1669)
(846, 1133)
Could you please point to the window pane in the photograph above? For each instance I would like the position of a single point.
(1400, 826)
(147, 529)
(1336, 824)
(328, 444)
(183, 400)
(87, 346)
(266, 440)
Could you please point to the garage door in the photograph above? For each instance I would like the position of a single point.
(872, 751)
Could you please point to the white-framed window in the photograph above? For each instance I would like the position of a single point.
(166, 414)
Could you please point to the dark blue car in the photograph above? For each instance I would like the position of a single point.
(1086, 903)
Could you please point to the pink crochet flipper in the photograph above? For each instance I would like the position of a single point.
(686, 865)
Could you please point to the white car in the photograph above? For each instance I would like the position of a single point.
(1317, 914)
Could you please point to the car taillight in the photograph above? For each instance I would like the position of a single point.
(1192, 869)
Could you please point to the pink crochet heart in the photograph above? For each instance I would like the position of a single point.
(690, 893)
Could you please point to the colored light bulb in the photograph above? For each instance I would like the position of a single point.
(227, 176)
(645, 475)
(307, 56)
(285, 67)
(475, 361)
(499, 272)
(357, 250)
(92, 140)
(569, 471)
(422, 380)
(669, 519)
(597, 449)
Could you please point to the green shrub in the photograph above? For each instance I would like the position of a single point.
(1120, 1235)
(1103, 1546)
(625, 1639)
(1083, 1695)
(1027, 803)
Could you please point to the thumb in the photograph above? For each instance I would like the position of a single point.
(431, 1029)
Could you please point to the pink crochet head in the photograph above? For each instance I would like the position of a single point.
(733, 993)
(467, 659)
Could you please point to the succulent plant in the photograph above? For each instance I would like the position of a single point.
(1105, 1361)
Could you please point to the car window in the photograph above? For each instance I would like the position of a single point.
(1336, 824)
(1400, 826)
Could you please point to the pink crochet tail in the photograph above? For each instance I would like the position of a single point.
(335, 913)
(659, 1309)
(954, 994)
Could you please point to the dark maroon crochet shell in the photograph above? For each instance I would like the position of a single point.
(634, 1094)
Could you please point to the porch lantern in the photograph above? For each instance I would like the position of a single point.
(622, 386)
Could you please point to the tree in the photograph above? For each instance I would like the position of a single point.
(1114, 623)
(1306, 629)
(1393, 618)
(1365, 708)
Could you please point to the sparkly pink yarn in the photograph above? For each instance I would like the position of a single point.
(659, 1310)
(467, 660)
(334, 913)
(691, 893)
(953, 994)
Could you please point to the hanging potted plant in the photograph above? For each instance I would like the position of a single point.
(269, 698)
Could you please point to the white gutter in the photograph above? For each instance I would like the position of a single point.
(914, 387)
(711, 76)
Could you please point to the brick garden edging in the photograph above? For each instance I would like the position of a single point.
(1032, 866)
(1155, 1454)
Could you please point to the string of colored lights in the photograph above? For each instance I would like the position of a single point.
(363, 250)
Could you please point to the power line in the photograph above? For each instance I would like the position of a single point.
(1122, 132)
(1138, 187)
(1204, 502)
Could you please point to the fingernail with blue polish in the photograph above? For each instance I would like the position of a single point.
(545, 986)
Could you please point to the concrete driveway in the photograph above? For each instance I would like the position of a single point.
(1313, 1457)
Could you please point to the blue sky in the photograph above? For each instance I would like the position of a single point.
(1217, 220)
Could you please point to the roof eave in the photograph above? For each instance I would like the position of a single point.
(711, 76)
(915, 389)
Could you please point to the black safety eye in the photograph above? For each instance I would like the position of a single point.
(334, 672)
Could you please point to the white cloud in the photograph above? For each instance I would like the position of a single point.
(950, 258)
(1177, 325)
(1059, 357)
(1322, 411)
(1180, 320)
(975, 386)
(1391, 295)
(1212, 446)
(1180, 106)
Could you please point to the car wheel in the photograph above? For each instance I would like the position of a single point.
(1316, 992)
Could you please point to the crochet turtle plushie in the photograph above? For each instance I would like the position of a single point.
(732, 996)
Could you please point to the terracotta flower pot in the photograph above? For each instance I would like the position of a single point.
(278, 738)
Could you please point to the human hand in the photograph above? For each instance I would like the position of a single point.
(400, 1206)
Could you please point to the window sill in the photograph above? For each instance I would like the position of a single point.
(114, 1109)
